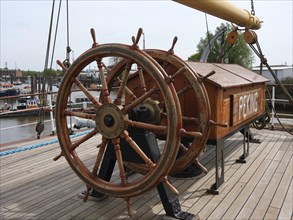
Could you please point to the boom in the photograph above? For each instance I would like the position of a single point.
(225, 10)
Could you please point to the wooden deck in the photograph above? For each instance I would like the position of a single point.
(33, 186)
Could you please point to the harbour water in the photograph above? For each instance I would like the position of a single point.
(19, 128)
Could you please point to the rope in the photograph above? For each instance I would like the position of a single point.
(48, 51)
(68, 50)
(55, 38)
(208, 33)
(66, 62)
(263, 60)
(40, 124)
(30, 147)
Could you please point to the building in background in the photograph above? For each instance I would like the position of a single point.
(6, 73)
(281, 71)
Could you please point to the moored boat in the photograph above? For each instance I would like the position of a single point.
(8, 89)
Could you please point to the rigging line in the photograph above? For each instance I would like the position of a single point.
(46, 63)
(48, 46)
(208, 34)
(67, 22)
(222, 48)
(68, 49)
(55, 37)
(264, 61)
(223, 51)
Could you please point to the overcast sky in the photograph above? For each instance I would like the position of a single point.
(25, 27)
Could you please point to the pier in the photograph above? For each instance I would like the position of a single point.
(33, 186)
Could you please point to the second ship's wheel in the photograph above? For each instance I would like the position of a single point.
(111, 116)
(194, 104)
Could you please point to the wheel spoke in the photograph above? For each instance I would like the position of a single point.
(117, 101)
(148, 85)
(100, 155)
(139, 100)
(106, 68)
(87, 93)
(183, 148)
(137, 149)
(80, 115)
(116, 143)
(142, 81)
(155, 128)
(83, 139)
(105, 91)
(179, 72)
(188, 119)
(192, 134)
(182, 91)
(130, 93)
(169, 185)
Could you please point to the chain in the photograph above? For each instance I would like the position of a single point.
(252, 8)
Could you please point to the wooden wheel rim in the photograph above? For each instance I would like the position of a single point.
(168, 156)
(200, 97)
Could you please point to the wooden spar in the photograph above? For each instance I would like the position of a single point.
(225, 10)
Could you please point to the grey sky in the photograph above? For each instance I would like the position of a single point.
(25, 26)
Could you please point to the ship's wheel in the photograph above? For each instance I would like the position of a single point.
(193, 99)
(112, 121)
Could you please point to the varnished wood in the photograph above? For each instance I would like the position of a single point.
(224, 87)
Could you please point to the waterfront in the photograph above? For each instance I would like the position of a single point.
(18, 128)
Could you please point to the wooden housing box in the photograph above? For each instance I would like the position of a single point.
(236, 95)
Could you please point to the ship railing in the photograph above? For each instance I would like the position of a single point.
(285, 114)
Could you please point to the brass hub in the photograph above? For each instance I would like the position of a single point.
(110, 120)
(154, 109)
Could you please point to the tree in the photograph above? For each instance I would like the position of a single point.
(221, 52)
(31, 73)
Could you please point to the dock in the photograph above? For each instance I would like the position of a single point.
(33, 186)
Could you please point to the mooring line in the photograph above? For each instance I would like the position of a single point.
(30, 147)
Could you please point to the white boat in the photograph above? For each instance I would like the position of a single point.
(27, 103)
(26, 90)
(8, 89)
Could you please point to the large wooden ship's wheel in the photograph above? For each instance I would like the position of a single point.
(194, 105)
(112, 120)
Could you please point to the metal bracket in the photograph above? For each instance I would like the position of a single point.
(219, 166)
(245, 154)
(147, 140)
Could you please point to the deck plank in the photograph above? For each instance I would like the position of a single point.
(205, 210)
(261, 208)
(259, 180)
(35, 187)
(287, 208)
(244, 173)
